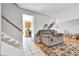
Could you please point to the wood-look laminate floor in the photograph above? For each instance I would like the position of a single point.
(60, 50)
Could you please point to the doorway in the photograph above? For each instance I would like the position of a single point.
(28, 30)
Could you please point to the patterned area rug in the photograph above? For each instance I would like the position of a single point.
(60, 50)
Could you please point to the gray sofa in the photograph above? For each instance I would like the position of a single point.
(50, 37)
(51, 40)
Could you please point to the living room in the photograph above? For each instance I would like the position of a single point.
(55, 29)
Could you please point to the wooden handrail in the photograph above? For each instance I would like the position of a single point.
(11, 23)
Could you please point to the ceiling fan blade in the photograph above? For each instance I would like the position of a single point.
(51, 25)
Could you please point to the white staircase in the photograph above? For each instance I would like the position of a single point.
(11, 41)
(10, 46)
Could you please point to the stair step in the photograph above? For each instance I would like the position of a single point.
(11, 41)
(5, 39)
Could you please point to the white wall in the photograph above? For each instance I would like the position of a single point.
(68, 19)
(0, 28)
(72, 26)
(67, 14)
(40, 20)
(10, 30)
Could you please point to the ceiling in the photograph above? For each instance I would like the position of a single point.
(47, 8)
